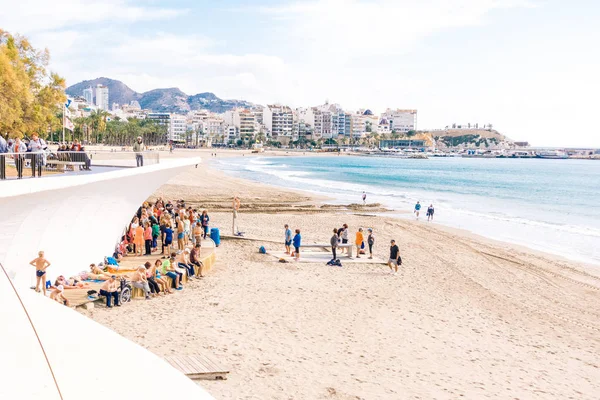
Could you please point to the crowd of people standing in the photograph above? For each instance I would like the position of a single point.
(339, 243)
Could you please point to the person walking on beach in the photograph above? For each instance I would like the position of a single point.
(236, 207)
(297, 241)
(430, 211)
(370, 242)
(417, 209)
(395, 258)
(109, 290)
(40, 264)
(359, 241)
(288, 239)
(334, 241)
(138, 148)
(364, 197)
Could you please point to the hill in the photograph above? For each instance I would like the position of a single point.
(159, 100)
(475, 137)
(118, 92)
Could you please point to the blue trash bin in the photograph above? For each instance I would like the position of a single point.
(215, 235)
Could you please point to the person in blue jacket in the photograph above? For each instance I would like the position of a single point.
(297, 241)
(417, 208)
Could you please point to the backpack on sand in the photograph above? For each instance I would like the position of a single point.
(262, 250)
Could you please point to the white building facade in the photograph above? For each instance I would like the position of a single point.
(88, 95)
(401, 121)
(102, 97)
(178, 128)
(278, 120)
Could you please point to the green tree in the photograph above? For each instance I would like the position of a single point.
(31, 96)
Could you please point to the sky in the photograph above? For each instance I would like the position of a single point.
(531, 68)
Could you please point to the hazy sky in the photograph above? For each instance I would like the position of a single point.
(529, 67)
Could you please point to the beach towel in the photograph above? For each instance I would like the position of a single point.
(111, 261)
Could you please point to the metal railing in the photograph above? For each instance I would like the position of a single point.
(50, 163)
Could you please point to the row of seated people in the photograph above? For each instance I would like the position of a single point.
(151, 279)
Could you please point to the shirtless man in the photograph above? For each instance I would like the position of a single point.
(40, 264)
(236, 207)
(139, 280)
(109, 289)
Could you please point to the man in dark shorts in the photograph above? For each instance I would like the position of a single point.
(430, 211)
(395, 259)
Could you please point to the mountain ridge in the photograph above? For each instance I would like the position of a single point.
(159, 100)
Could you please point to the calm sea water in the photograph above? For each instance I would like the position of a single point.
(549, 205)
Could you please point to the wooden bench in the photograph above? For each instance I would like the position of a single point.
(198, 367)
(348, 246)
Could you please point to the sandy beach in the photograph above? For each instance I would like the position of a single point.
(466, 317)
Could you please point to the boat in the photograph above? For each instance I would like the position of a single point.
(521, 154)
(553, 154)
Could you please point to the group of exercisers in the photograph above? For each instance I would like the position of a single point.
(163, 221)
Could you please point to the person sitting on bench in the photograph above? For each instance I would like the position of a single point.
(139, 280)
(195, 260)
(109, 289)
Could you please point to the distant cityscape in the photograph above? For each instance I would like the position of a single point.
(273, 122)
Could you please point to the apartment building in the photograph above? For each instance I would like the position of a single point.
(213, 127)
(102, 97)
(178, 128)
(88, 95)
(278, 120)
(401, 121)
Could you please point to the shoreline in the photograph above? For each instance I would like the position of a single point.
(486, 228)
(461, 308)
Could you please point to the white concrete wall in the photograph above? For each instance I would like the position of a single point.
(76, 220)
(89, 361)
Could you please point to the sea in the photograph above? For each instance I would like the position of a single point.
(547, 205)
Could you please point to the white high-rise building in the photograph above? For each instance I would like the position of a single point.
(88, 95)
(279, 120)
(401, 121)
(177, 128)
(102, 97)
(329, 121)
